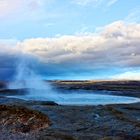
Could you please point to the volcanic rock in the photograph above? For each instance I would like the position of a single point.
(21, 119)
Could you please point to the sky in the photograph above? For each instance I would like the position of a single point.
(70, 39)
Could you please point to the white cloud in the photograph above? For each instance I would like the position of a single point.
(22, 8)
(130, 75)
(111, 2)
(87, 2)
(117, 44)
(8, 46)
(107, 3)
(133, 16)
(9, 7)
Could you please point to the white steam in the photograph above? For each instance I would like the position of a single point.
(27, 78)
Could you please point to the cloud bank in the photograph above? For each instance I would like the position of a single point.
(117, 44)
(116, 48)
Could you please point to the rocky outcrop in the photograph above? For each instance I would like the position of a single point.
(21, 119)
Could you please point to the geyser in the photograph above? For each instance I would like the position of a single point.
(27, 78)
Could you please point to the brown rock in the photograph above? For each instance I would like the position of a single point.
(21, 119)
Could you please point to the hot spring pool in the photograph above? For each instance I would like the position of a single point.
(78, 98)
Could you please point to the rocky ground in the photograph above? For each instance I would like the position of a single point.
(123, 88)
(40, 120)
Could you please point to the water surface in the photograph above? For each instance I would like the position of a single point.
(78, 97)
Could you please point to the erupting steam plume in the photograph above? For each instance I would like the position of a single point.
(27, 78)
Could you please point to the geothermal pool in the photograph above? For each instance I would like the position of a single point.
(78, 98)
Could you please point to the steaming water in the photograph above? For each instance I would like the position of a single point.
(78, 98)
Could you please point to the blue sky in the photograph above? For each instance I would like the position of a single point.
(83, 39)
(48, 18)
